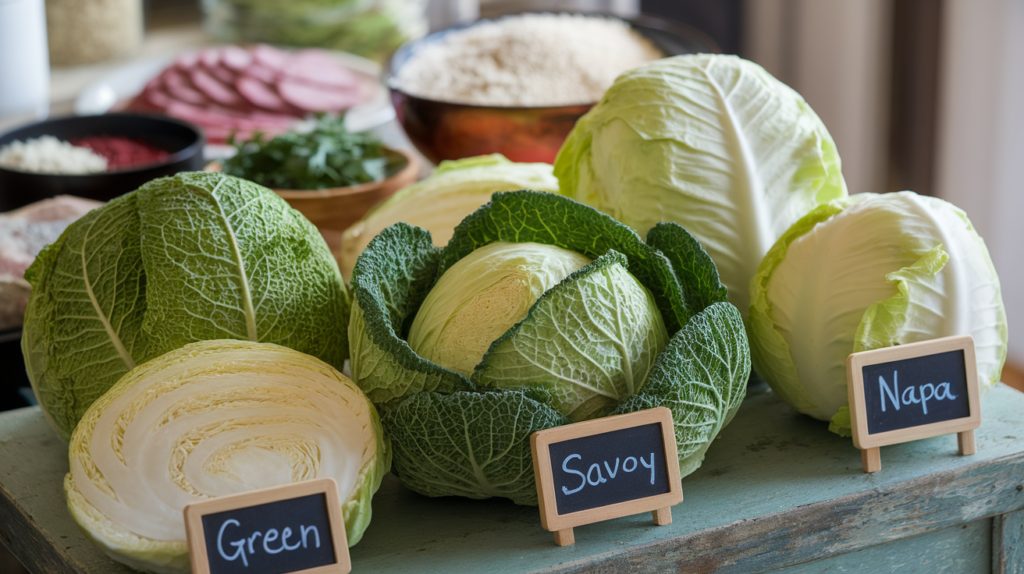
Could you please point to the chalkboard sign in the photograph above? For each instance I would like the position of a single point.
(287, 529)
(605, 468)
(909, 392)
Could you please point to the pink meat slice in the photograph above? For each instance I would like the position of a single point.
(270, 56)
(261, 94)
(261, 72)
(319, 68)
(210, 57)
(187, 60)
(316, 99)
(180, 87)
(235, 58)
(215, 89)
(224, 74)
(156, 96)
(218, 117)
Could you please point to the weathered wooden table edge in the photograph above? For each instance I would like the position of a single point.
(900, 510)
(847, 524)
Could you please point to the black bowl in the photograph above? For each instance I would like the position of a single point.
(182, 140)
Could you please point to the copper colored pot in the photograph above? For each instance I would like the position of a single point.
(446, 130)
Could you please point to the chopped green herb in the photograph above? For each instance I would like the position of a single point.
(327, 156)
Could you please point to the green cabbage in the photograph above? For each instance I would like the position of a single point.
(711, 142)
(211, 419)
(439, 202)
(868, 272)
(641, 325)
(185, 258)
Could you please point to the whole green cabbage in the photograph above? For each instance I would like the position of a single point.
(638, 326)
(868, 272)
(713, 143)
(186, 258)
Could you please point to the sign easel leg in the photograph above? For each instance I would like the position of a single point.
(564, 537)
(966, 441)
(871, 458)
(663, 516)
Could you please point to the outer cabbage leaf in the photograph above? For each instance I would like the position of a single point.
(528, 216)
(866, 273)
(227, 259)
(702, 377)
(589, 342)
(211, 419)
(83, 325)
(389, 283)
(475, 445)
(711, 142)
(439, 202)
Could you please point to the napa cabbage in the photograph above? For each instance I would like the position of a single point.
(713, 143)
(539, 311)
(210, 419)
(185, 258)
(868, 272)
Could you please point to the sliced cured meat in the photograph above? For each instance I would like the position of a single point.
(155, 96)
(261, 73)
(270, 56)
(313, 98)
(224, 74)
(235, 58)
(215, 89)
(210, 57)
(187, 60)
(180, 87)
(319, 68)
(261, 94)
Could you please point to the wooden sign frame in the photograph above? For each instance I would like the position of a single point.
(327, 486)
(869, 444)
(660, 505)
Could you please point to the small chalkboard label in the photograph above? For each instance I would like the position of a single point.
(606, 468)
(909, 392)
(282, 530)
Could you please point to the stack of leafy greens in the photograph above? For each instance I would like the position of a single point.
(216, 418)
(327, 156)
(538, 312)
(186, 258)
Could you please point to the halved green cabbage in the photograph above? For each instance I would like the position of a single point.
(642, 325)
(863, 273)
(211, 419)
(713, 143)
(439, 202)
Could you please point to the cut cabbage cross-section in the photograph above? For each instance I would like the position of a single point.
(212, 419)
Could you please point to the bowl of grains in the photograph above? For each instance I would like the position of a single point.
(96, 157)
(516, 85)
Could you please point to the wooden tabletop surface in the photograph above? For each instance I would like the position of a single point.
(776, 489)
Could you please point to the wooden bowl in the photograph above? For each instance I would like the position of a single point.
(334, 209)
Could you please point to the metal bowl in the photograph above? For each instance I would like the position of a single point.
(183, 141)
(446, 130)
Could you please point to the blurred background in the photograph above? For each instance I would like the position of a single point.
(918, 94)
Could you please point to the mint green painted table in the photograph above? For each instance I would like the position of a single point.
(777, 492)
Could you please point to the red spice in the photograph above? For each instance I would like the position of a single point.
(122, 152)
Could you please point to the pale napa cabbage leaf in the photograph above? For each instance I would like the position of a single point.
(864, 273)
(589, 341)
(483, 295)
(212, 419)
(610, 323)
(468, 444)
(439, 202)
(185, 258)
(711, 142)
